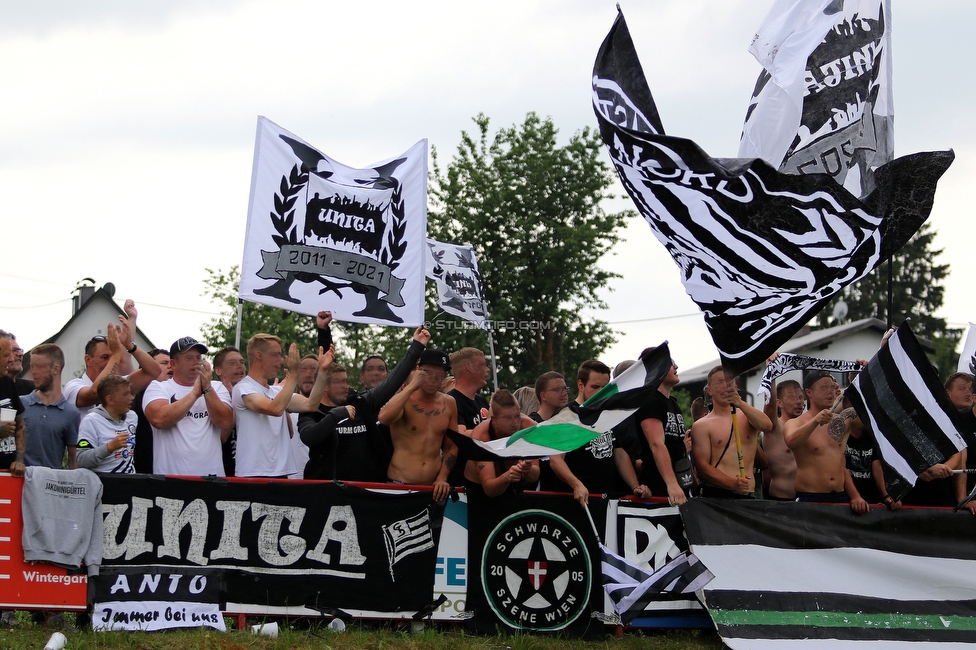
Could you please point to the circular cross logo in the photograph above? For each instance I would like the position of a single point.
(535, 571)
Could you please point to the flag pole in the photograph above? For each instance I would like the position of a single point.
(738, 444)
(240, 312)
(494, 365)
(491, 344)
(890, 284)
(592, 523)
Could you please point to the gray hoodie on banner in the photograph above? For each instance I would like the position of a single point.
(62, 511)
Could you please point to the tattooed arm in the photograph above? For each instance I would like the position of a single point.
(840, 425)
(393, 410)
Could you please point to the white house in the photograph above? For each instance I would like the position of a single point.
(92, 310)
(857, 340)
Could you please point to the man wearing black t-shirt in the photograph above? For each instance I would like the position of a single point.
(470, 369)
(593, 467)
(859, 456)
(12, 439)
(663, 442)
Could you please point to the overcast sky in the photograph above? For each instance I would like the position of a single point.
(127, 143)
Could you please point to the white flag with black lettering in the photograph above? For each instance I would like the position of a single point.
(454, 270)
(823, 104)
(321, 235)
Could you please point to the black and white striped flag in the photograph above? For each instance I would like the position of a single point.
(632, 588)
(760, 251)
(407, 536)
(899, 397)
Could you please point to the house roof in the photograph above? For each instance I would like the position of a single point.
(699, 374)
(100, 293)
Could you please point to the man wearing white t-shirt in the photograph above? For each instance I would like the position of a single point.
(263, 436)
(188, 413)
(102, 360)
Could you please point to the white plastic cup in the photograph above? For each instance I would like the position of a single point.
(8, 415)
(266, 629)
(57, 640)
(337, 625)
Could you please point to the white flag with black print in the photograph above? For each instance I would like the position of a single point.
(321, 235)
(899, 397)
(760, 251)
(406, 537)
(823, 103)
(454, 270)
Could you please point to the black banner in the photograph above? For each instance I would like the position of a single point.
(321, 545)
(130, 599)
(534, 563)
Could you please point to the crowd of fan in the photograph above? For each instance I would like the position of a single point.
(171, 412)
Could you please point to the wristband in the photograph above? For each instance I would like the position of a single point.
(207, 390)
(132, 349)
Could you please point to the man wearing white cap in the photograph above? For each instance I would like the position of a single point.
(188, 413)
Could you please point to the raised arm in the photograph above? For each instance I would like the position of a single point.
(771, 411)
(757, 419)
(148, 369)
(88, 396)
(796, 435)
(302, 404)
(376, 397)
(322, 326)
(393, 410)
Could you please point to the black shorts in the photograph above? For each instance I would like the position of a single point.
(712, 492)
(822, 497)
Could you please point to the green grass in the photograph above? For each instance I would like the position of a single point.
(356, 637)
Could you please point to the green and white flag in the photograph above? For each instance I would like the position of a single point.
(607, 408)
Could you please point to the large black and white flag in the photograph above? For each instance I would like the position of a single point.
(823, 103)
(760, 251)
(321, 235)
(900, 399)
(454, 270)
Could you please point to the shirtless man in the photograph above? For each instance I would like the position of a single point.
(712, 447)
(818, 439)
(782, 464)
(419, 417)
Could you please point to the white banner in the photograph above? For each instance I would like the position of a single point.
(823, 104)
(321, 235)
(151, 616)
(968, 350)
(454, 270)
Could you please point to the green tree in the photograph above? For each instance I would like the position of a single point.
(222, 288)
(532, 211)
(353, 342)
(917, 293)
